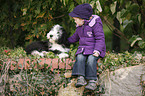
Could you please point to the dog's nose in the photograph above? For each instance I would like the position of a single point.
(51, 35)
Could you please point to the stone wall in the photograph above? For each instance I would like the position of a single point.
(128, 81)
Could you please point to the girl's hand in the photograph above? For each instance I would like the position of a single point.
(96, 53)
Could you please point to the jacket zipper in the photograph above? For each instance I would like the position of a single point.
(84, 40)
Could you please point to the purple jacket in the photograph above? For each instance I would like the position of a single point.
(90, 36)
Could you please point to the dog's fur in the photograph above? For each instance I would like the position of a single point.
(57, 43)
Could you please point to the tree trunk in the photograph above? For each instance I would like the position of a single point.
(115, 37)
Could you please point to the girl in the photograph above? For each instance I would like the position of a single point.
(89, 33)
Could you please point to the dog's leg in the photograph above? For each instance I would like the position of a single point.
(35, 52)
(63, 55)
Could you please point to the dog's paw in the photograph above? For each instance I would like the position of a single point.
(35, 52)
(63, 55)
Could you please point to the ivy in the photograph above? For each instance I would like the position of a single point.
(38, 81)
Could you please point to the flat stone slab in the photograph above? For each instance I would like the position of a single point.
(124, 81)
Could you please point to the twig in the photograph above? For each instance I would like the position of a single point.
(58, 17)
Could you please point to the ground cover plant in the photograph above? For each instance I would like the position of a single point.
(35, 81)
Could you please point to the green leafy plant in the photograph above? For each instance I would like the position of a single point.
(72, 52)
(33, 82)
(114, 61)
(137, 39)
(47, 81)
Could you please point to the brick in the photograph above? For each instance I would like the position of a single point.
(68, 61)
(27, 63)
(55, 63)
(62, 64)
(48, 62)
(41, 64)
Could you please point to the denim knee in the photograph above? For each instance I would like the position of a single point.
(79, 66)
(91, 69)
(80, 57)
(92, 60)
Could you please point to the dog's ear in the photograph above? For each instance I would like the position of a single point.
(63, 38)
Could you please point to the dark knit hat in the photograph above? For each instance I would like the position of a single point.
(83, 11)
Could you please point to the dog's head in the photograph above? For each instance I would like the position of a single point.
(57, 35)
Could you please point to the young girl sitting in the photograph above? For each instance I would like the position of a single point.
(89, 33)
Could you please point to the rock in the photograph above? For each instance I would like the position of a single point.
(123, 82)
(71, 90)
(143, 84)
(67, 75)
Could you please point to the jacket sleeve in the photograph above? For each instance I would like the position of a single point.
(99, 35)
(74, 38)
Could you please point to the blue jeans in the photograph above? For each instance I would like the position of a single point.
(85, 65)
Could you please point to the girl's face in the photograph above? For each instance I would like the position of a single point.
(78, 21)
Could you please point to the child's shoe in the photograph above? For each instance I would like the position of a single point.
(92, 85)
(80, 81)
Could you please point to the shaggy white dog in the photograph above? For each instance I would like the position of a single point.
(57, 43)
